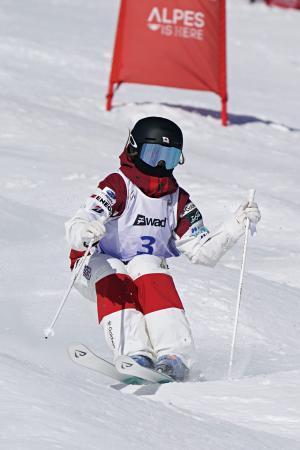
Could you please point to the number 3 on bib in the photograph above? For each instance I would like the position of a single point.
(147, 243)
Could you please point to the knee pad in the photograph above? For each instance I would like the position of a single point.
(146, 264)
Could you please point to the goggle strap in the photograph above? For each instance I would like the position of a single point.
(182, 159)
(131, 145)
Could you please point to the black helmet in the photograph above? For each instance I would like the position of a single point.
(161, 134)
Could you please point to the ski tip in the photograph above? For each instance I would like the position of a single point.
(77, 350)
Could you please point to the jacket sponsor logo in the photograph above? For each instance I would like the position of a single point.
(143, 221)
(102, 203)
(87, 272)
(193, 216)
(199, 231)
(188, 208)
(110, 194)
(98, 209)
(186, 24)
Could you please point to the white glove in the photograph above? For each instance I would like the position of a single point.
(91, 231)
(248, 210)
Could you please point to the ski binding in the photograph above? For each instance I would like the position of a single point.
(127, 366)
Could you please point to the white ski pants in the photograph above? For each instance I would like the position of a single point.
(138, 306)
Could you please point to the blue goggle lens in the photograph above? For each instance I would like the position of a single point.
(152, 154)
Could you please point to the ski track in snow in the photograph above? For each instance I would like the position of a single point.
(57, 142)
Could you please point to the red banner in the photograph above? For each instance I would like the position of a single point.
(284, 3)
(179, 44)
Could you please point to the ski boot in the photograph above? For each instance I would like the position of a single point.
(143, 361)
(173, 366)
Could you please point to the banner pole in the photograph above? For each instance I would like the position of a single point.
(117, 55)
(223, 63)
(224, 113)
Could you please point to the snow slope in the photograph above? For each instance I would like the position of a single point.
(57, 141)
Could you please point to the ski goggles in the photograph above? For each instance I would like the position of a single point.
(152, 154)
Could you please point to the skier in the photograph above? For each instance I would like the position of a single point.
(139, 217)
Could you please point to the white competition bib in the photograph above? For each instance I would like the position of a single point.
(145, 227)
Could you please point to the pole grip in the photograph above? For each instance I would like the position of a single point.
(251, 195)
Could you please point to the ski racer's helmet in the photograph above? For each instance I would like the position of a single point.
(155, 146)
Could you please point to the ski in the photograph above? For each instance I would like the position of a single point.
(80, 354)
(127, 366)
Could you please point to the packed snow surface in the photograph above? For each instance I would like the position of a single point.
(57, 142)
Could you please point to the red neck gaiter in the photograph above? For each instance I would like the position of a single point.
(154, 187)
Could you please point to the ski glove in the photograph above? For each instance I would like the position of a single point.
(248, 210)
(92, 231)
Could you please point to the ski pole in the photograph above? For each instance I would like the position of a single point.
(49, 331)
(239, 294)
